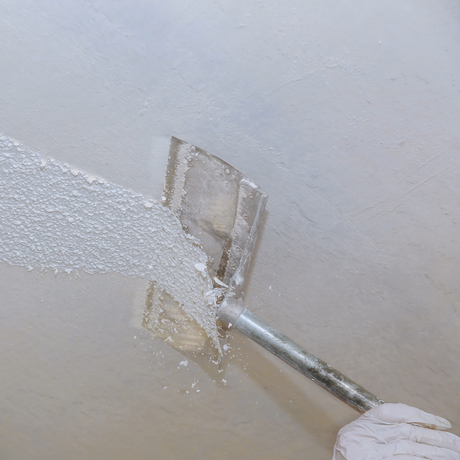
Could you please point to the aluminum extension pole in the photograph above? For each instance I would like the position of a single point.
(307, 363)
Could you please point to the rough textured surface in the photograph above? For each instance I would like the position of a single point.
(346, 112)
(56, 217)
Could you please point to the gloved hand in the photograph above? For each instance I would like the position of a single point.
(397, 431)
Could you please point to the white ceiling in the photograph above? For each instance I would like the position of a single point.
(346, 112)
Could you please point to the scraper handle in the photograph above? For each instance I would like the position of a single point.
(305, 362)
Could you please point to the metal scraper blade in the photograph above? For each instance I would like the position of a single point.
(217, 205)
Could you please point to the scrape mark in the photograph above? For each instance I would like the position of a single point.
(405, 188)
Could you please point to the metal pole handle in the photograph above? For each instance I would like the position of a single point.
(307, 363)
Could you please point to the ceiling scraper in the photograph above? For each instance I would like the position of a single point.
(223, 209)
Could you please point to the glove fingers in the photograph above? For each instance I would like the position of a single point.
(431, 437)
(415, 449)
(400, 413)
(407, 457)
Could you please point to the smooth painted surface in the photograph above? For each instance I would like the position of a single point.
(346, 113)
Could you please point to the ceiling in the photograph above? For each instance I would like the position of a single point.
(345, 112)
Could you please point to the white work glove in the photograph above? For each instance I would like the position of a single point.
(397, 431)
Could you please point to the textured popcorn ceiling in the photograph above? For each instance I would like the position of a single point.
(346, 113)
(56, 217)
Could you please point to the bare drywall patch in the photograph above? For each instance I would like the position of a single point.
(56, 217)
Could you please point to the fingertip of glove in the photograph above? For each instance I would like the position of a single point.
(401, 413)
(443, 424)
